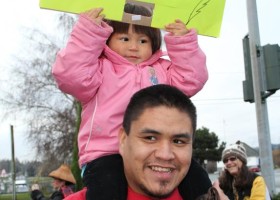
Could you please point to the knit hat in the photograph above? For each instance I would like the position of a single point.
(237, 150)
(63, 173)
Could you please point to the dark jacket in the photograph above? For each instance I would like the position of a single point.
(195, 184)
(38, 195)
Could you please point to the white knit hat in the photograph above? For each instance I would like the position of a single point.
(237, 150)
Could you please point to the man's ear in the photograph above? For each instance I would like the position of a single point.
(122, 138)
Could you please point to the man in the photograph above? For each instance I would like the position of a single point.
(155, 143)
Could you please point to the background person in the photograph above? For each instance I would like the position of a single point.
(103, 65)
(63, 183)
(236, 181)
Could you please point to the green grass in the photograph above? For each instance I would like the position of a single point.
(45, 187)
(19, 196)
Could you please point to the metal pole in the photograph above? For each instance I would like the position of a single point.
(13, 163)
(260, 103)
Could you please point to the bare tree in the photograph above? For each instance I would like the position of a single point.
(33, 95)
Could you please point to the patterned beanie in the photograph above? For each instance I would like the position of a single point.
(237, 150)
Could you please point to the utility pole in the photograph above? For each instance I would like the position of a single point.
(13, 163)
(259, 86)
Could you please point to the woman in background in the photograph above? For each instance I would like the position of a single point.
(236, 181)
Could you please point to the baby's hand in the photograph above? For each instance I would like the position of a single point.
(178, 28)
(94, 15)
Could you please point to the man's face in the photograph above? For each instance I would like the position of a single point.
(158, 150)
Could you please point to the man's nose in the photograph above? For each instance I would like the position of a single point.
(164, 151)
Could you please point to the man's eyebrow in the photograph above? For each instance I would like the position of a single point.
(179, 135)
(183, 135)
(148, 130)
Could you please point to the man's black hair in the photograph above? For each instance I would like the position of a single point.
(158, 95)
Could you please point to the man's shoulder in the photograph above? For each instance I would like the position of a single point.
(80, 195)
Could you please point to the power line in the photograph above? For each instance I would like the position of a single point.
(229, 99)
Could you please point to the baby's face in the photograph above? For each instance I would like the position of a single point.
(135, 47)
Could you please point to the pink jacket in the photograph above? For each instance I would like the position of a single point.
(103, 81)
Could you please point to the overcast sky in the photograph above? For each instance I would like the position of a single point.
(220, 103)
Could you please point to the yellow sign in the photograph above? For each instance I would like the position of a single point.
(203, 15)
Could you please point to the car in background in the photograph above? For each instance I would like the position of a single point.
(21, 186)
(253, 164)
(255, 169)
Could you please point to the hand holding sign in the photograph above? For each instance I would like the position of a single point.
(95, 15)
(178, 28)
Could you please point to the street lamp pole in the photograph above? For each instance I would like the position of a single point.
(259, 86)
(13, 162)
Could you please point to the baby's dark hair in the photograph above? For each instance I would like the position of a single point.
(153, 33)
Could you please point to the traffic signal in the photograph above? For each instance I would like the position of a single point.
(272, 66)
(248, 92)
(271, 55)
